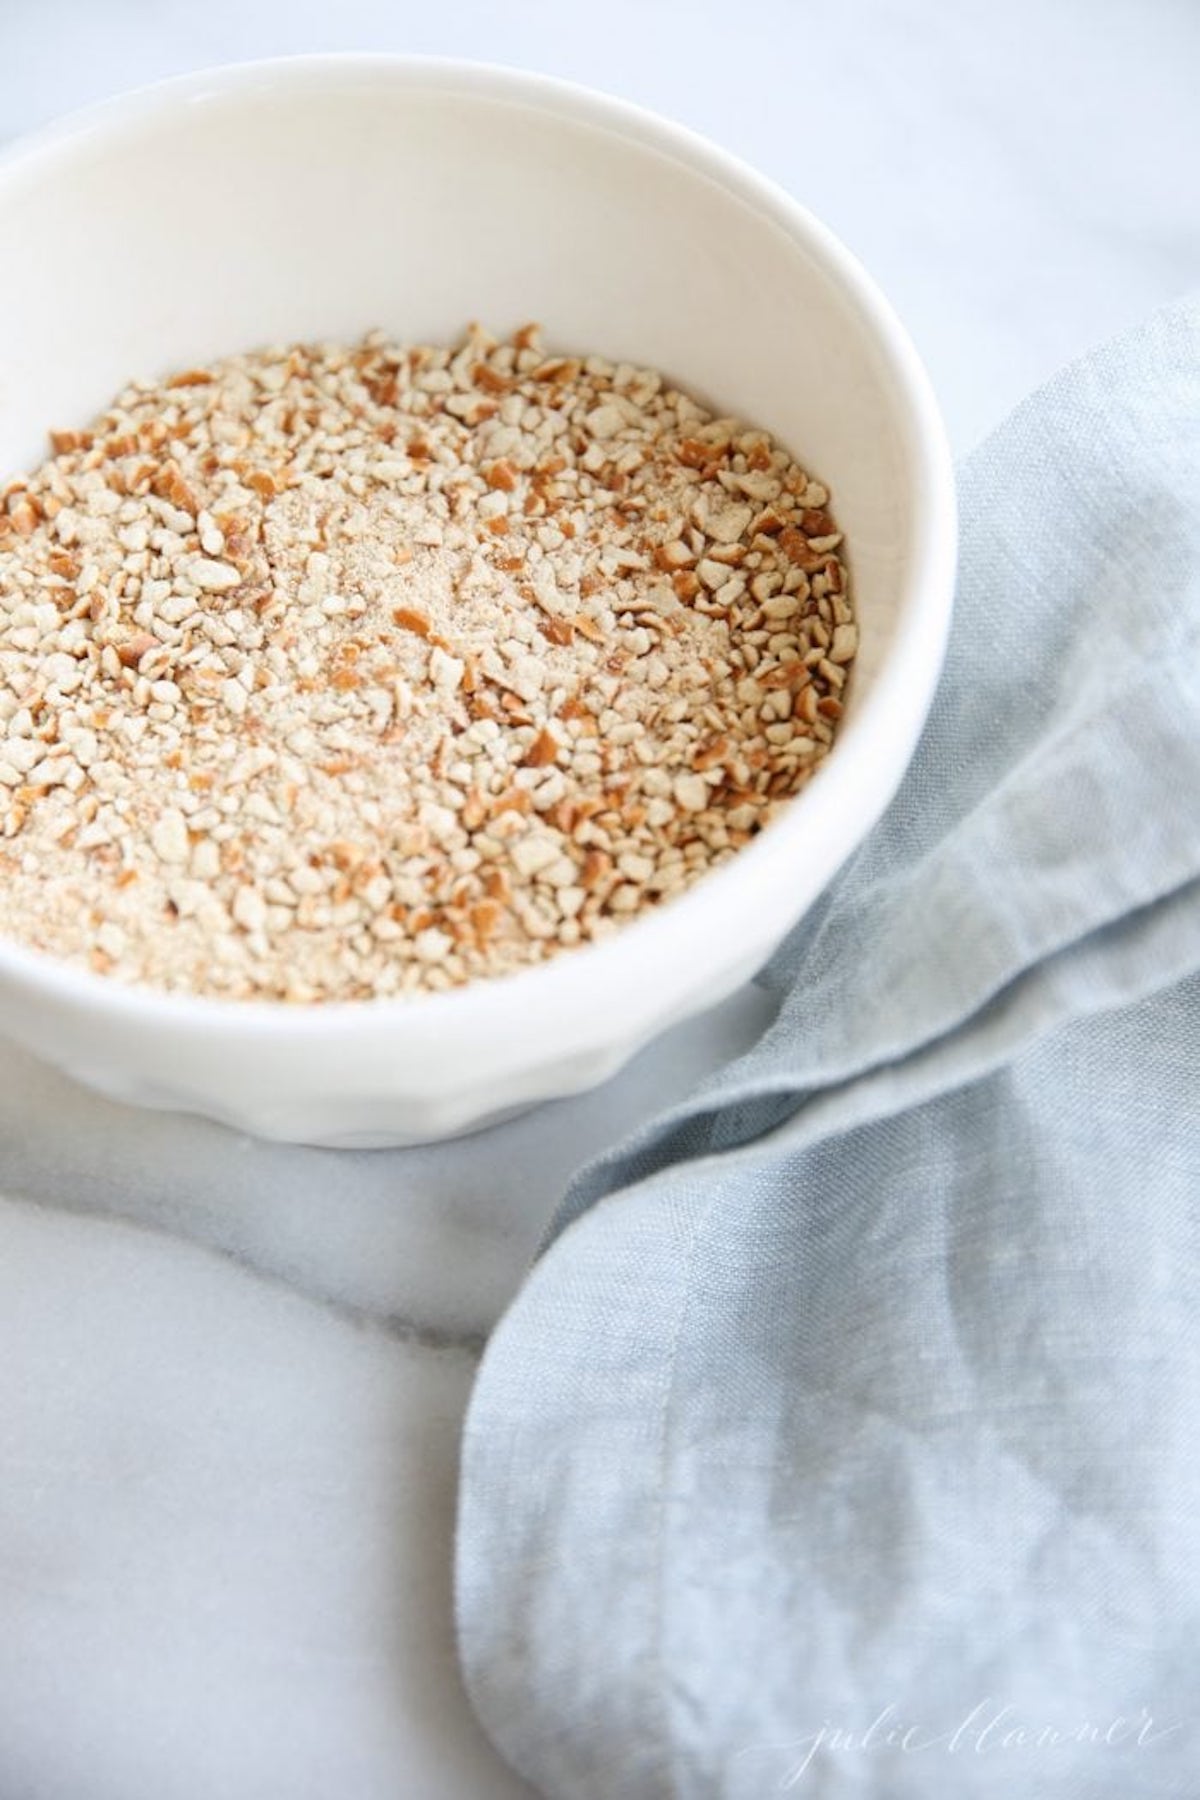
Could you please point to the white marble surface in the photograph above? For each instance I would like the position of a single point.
(233, 1374)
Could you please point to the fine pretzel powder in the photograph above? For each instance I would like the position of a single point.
(332, 672)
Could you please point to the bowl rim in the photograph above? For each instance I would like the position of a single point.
(903, 687)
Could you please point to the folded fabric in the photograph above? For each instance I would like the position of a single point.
(843, 1440)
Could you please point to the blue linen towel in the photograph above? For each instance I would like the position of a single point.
(843, 1440)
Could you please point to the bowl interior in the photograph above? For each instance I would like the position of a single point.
(297, 201)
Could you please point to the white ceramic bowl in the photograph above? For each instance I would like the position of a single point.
(323, 196)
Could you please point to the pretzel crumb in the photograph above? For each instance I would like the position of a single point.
(331, 672)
